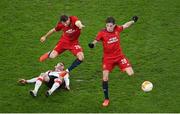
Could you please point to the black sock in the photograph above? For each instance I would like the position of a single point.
(105, 89)
(49, 53)
(74, 64)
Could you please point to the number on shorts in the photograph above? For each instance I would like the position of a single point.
(123, 61)
(77, 46)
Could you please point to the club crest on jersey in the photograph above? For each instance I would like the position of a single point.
(112, 40)
(70, 31)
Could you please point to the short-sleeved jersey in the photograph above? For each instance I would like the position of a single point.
(70, 33)
(111, 42)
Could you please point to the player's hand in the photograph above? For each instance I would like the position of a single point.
(135, 18)
(22, 81)
(42, 39)
(91, 45)
(82, 26)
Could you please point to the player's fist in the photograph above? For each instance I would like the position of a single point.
(135, 18)
(91, 45)
(82, 26)
(42, 39)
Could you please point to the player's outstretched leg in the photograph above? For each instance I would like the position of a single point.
(77, 62)
(106, 96)
(74, 65)
(50, 54)
(105, 88)
(37, 86)
(57, 83)
(44, 57)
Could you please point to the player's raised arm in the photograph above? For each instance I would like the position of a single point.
(79, 24)
(92, 44)
(128, 24)
(49, 33)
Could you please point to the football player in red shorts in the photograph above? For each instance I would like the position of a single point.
(113, 55)
(71, 27)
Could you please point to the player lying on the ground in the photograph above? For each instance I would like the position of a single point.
(113, 55)
(71, 29)
(52, 78)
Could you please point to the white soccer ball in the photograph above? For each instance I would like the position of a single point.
(147, 86)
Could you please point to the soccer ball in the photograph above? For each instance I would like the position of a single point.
(147, 86)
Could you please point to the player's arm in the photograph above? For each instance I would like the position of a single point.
(92, 44)
(49, 33)
(67, 81)
(128, 24)
(97, 39)
(79, 24)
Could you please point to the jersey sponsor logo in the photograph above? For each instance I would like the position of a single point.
(70, 31)
(112, 40)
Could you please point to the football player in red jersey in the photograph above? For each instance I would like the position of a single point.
(113, 55)
(71, 27)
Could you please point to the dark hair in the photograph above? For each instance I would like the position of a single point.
(63, 18)
(110, 20)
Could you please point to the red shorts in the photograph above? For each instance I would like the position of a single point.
(73, 48)
(121, 61)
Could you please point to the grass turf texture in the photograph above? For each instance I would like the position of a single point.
(152, 45)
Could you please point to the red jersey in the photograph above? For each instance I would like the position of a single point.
(70, 33)
(111, 42)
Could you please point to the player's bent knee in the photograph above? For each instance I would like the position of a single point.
(57, 80)
(53, 54)
(105, 79)
(80, 56)
(46, 79)
(105, 75)
(131, 73)
(40, 78)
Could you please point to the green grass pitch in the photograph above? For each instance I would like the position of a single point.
(152, 45)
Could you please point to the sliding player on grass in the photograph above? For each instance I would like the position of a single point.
(53, 79)
(71, 27)
(113, 55)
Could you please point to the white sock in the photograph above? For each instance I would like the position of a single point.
(37, 86)
(54, 87)
(31, 80)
